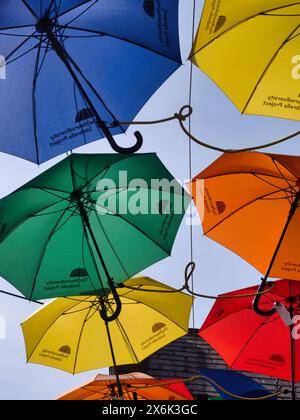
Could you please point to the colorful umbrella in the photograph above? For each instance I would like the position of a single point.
(251, 51)
(229, 383)
(89, 222)
(251, 343)
(251, 206)
(136, 386)
(69, 334)
(75, 67)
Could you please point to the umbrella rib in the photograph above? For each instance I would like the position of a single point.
(92, 88)
(106, 168)
(29, 8)
(29, 217)
(136, 227)
(9, 28)
(79, 339)
(285, 190)
(159, 312)
(111, 246)
(241, 23)
(127, 341)
(265, 320)
(28, 37)
(243, 173)
(45, 248)
(73, 8)
(82, 13)
(240, 209)
(271, 61)
(276, 163)
(100, 33)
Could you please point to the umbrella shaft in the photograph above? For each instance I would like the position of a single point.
(86, 221)
(290, 217)
(63, 55)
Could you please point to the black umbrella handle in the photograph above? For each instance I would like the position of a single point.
(116, 314)
(256, 301)
(125, 150)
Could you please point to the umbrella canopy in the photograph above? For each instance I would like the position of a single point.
(84, 65)
(70, 335)
(137, 386)
(235, 383)
(87, 220)
(251, 51)
(251, 206)
(251, 343)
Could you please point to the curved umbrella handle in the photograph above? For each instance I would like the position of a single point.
(126, 150)
(256, 301)
(188, 273)
(115, 315)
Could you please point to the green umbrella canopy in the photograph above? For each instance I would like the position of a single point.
(89, 215)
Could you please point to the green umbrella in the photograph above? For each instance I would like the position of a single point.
(89, 223)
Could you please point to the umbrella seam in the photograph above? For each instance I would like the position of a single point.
(240, 209)
(271, 61)
(241, 23)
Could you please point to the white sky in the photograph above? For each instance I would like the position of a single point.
(215, 120)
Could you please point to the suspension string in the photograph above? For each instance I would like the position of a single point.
(184, 114)
(212, 382)
(189, 270)
(191, 157)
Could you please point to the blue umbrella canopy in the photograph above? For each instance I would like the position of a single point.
(74, 68)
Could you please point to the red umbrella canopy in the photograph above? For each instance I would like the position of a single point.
(252, 343)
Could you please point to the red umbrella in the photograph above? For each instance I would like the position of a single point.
(251, 343)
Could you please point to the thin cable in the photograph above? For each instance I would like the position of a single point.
(190, 156)
(185, 113)
(215, 384)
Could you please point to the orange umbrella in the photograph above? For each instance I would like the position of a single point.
(251, 206)
(135, 386)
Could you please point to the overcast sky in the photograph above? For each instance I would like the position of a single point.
(215, 120)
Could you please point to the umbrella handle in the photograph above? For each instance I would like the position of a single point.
(256, 301)
(126, 150)
(115, 315)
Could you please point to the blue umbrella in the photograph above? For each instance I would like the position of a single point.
(76, 68)
(235, 383)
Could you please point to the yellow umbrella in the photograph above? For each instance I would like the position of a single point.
(69, 333)
(250, 49)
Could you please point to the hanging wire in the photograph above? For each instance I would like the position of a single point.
(185, 113)
(189, 270)
(191, 157)
(214, 383)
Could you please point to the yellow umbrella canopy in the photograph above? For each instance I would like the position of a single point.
(69, 333)
(250, 49)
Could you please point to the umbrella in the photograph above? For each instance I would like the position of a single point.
(252, 343)
(75, 68)
(228, 382)
(136, 386)
(251, 206)
(68, 333)
(88, 223)
(251, 52)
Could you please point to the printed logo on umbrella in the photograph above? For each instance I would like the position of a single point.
(278, 358)
(157, 327)
(220, 23)
(65, 350)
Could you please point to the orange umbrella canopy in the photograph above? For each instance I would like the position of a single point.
(135, 386)
(250, 204)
